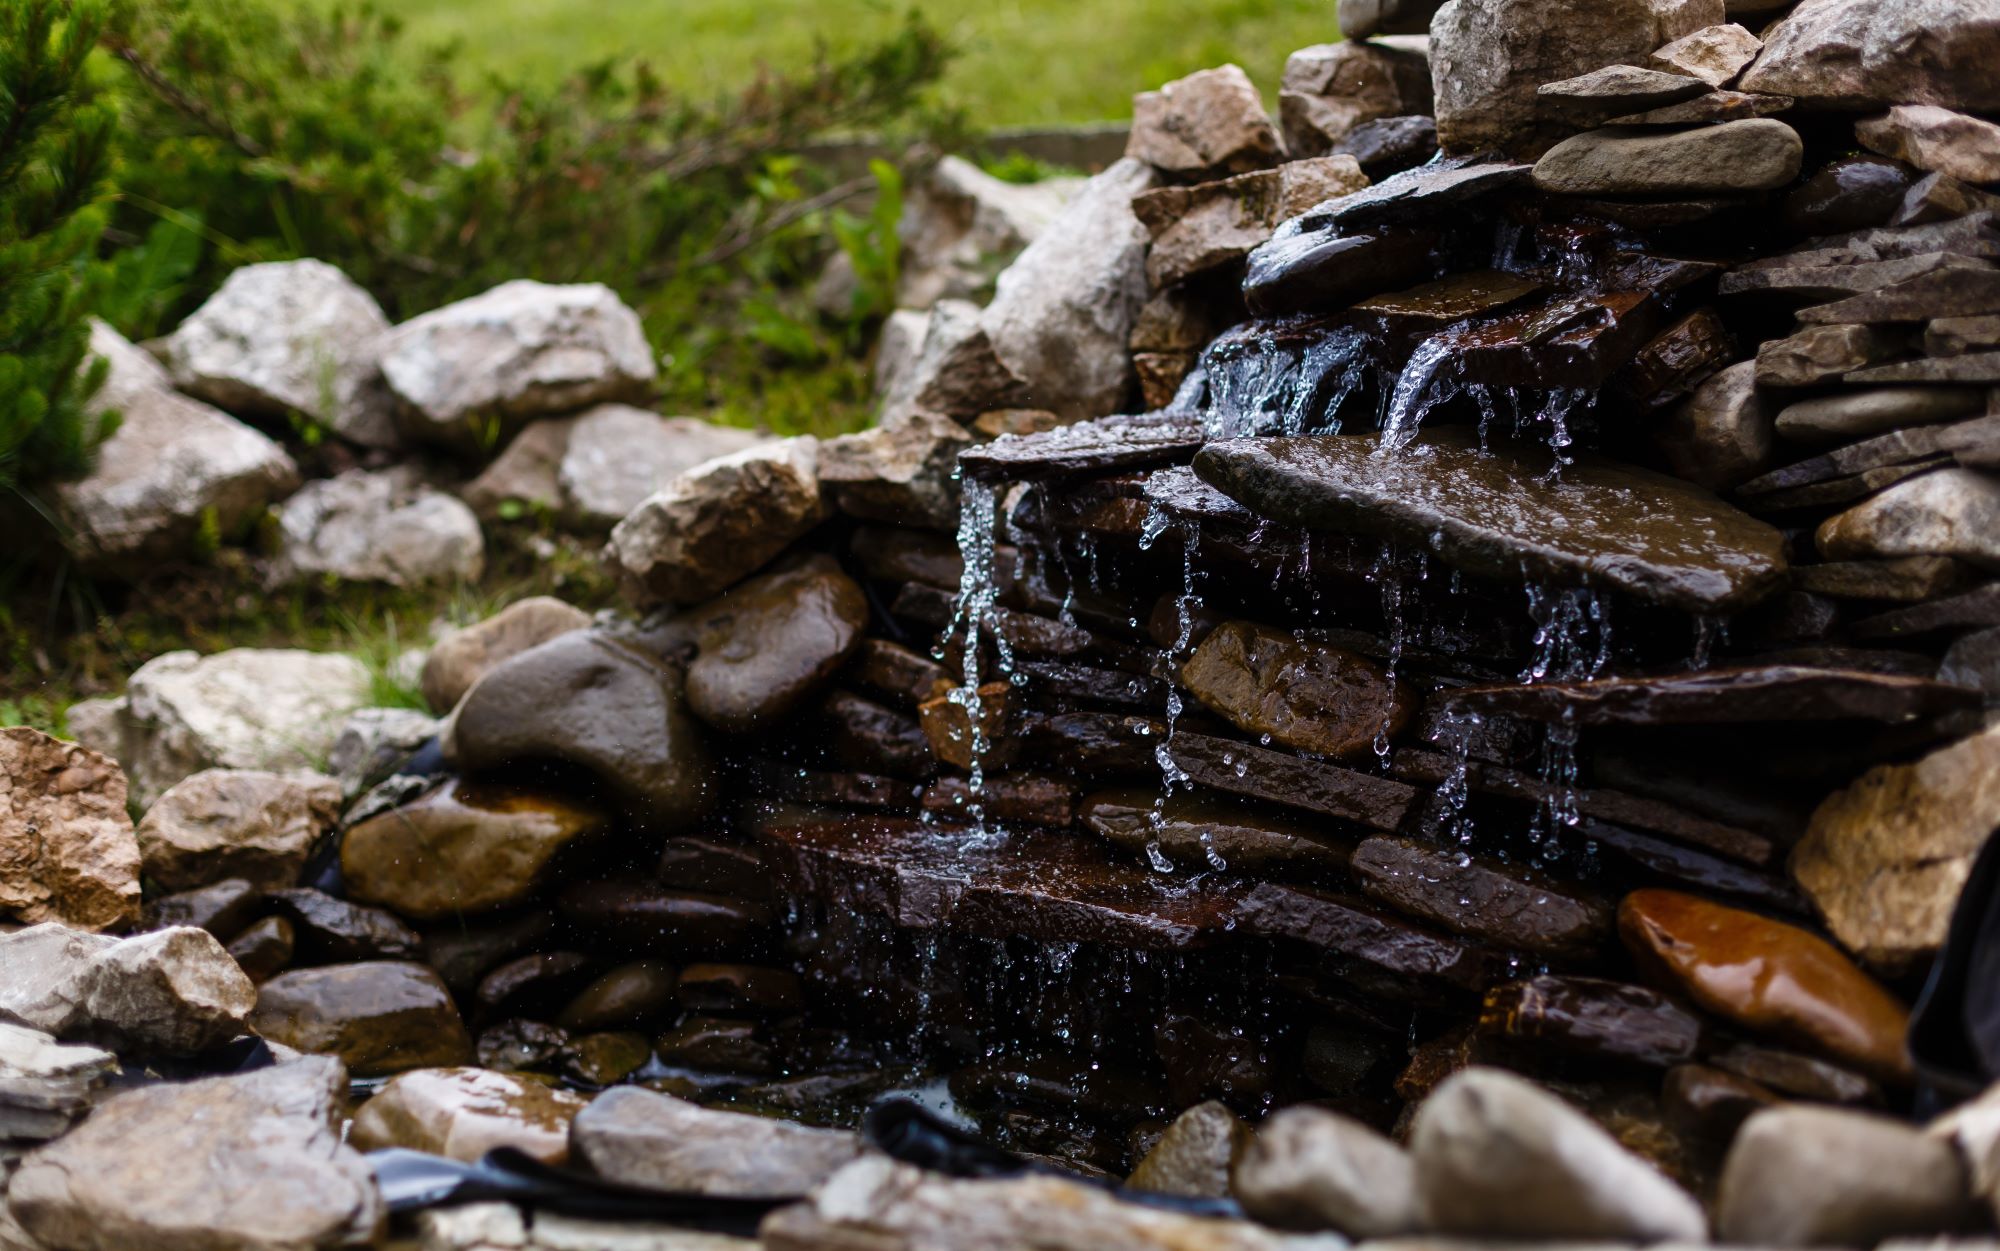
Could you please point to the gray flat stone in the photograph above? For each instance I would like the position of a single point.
(1716, 106)
(1616, 89)
(1958, 336)
(1896, 448)
(1757, 155)
(1830, 282)
(1935, 139)
(1848, 415)
(1953, 512)
(641, 1138)
(1972, 367)
(1499, 514)
(1906, 578)
(1940, 293)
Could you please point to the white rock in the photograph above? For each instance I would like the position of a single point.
(524, 349)
(897, 347)
(246, 708)
(1063, 313)
(1825, 1177)
(642, 1138)
(173, 991)
(174, 475)
(289, 336)
(45, 1085)
(618, 455)
(961, 226)
(383, 526)
(1313, 1169)
(1497, 1156)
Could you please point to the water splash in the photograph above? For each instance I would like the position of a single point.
(1572, 634)
(1269, 381)
(976, 614)
(1429, 379)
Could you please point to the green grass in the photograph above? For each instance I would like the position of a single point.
(1023, 62)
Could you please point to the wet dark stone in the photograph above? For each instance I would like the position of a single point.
(891, 555)
(1591, 1017)
(1966, 236)
(462, 954)
(1716, 106)
(1377, 802)
(1910, 579)
(589, 700)
(1652, 214)
(1303, 271)
(775, 780)
(1832, 282)
(1026, 633)
(862, 734)
(1196, 831)
(1940, 293)
(1849, 193)
(1679, 358)
(1805, 1077)
(1940, 197)
(716, 1044)
(1045, 680)
(1833, 491)
(715, 868)
(1206, 1059)
(264, 948)
(1634, 811)
(1577, 341)
(1092, 744)
(630, 995)
(1354, 931)
(1349, 1064)
(1428, 190)
(222, 908)
(1010, 797)
(1389, 145)
(379, 1017)
(814, 1093)
(895, 672)
(521, 1046)
(763, 648)
(1723, 696)
(1483, 899)
(533, 986)
(1711, 1104)
(1051, 887)
(332, 930)
(643, 916)
(1109, 443)
(1500, 514)
(1305, 695)
(1425, 309)
(739, 990)
(605, 1059)
(1064, 1084)
(1972, 610)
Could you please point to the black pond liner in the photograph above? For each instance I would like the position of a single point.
(1955, 1031)
(413, 1181)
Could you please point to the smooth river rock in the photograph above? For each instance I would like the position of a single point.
(67, 851)
(237, 823)
(586, 699)
(251, 1162)
(640, 1138)
(1497, 1156)
(1308, 1169)
(1770, 978)
(464, 1113)
(1499, 514)
(1827, 1177)
(1195, 1155)
(465, 847)
(1760, 154)
(1310, 696)
(768, 645)
(1884, 860)
(379, 1017)
(461, 658)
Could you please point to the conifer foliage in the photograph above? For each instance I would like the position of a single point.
(55, 155)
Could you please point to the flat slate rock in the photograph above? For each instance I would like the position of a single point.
(1940, 293)
(1858, 414)
(1970, 611)
(1050, 887)
(1425, 188)
(1716, 106)
(1500, 514)
(1295, 781)
(1843, 490)
(1723, 696)
(1974, 235)
(1109, 443)
(1895, 448)
(1353, 929)
(1970, 367)
(1594, 96)
(1832, 282)
(1761, 154)
(1178, 490)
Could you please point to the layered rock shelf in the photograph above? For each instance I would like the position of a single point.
(1383, 689)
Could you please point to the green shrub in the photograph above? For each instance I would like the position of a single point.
(290, 131)
(55, 152)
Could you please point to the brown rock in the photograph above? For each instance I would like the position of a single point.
(1854, 413)
(237, 823)
(1592, 1017)
(1207, 124)
(587, 699)
(1768, 977)
(333, 929)
(1821, 354)
(1884, 860)
(1937, 140)
(1312, 697)
(1722, 434)
(1590, 98)
(464, 656)
(1195, 1156)
(1197, 831)
(222, 909)
(1710, 1103)
(1849, 193)
(605, 1059)
(718, 1045)
(1849, 54)
(1330, 88)
(719, 522)
(264, 948)
(639, 1138)
(1199, 229)
(533, 985)
(378, 1017)
(768, 645)
(1940, 198)
(464, 1113)
(67, 852)
(666, 922)
(629, 995)
(905, 474)
(739, 990)
(168, 992)
(1714, 54)
(463, 848)
(1953, 512)
(714, 868)
(1960, 291)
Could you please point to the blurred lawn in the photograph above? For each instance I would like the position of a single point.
(1023, 62)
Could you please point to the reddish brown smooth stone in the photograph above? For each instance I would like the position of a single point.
(1801, 1076)
(1351, 929)
(1483, 899)
(740, 990)
(1593, 1017)
(718, 1045)
(1315, 698)
(862, 734)
(658, 920)
(534, 983)
(1768, 977)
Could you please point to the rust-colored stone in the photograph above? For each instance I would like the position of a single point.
(1305, 695)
